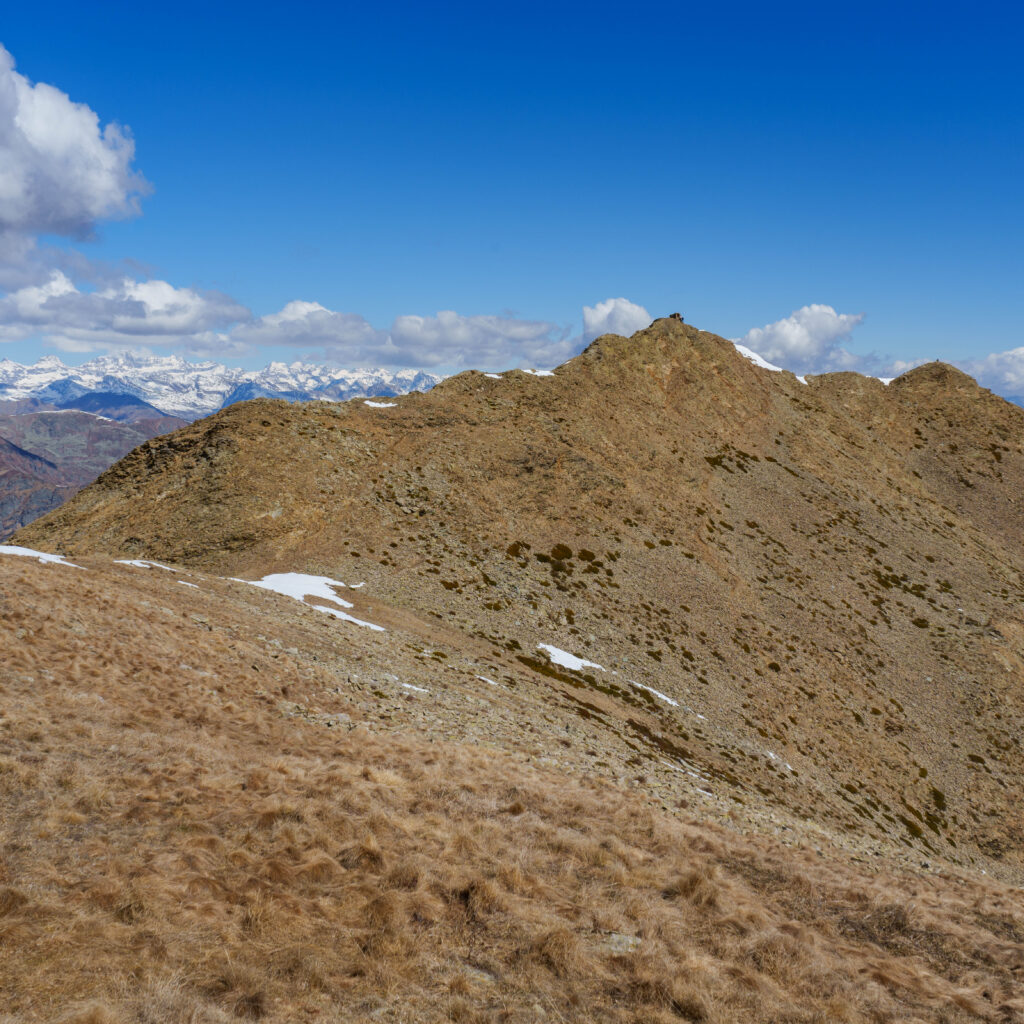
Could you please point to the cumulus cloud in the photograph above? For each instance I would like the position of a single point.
(447, 339)
(1003, 372)
(454, 339)
(60, 171)
(310, 326)
(129, 314)
(63, 173)
(900, 366)
(126, 314)
(614, 316)
(809, 340)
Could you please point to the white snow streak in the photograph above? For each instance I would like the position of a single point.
(380, 405)
(757, 360)
(657, 693)
(42, 556)
(567, 660)
(299, 586)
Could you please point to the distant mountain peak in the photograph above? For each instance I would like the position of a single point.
(177, 387)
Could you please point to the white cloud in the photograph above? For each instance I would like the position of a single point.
(156, 308)
(900, 366)
(1003, 372)
(808, 340)
(447, 339)
(614, 316)
(131, 314)
(311, 326)
(124, 315)
(60, 172)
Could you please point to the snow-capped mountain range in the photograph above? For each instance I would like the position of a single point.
(191, 390)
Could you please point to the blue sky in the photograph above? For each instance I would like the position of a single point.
(517, 164)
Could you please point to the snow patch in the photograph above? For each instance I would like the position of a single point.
(657, 693)
(775, 757)
(684, 771)
(338, 614)
(759, 360)
(141, 563)
(539, 373)
(42, 556)
(380, 405)
(81, 412)
(417, 689)
(493, 376)
(299, 586)
(484, 679)
(567, 660)
(184, 584)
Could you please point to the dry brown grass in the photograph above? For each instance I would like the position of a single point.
(172, 851)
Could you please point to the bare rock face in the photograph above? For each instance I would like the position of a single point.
(807, 595)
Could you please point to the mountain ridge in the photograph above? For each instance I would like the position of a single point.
(825, 570)
(664, 686)
(190, 390)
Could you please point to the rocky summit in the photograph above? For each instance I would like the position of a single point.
(781, 612)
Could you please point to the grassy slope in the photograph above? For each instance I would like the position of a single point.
(830, 573)
(176, 845)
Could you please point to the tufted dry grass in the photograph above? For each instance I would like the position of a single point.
(181, 851)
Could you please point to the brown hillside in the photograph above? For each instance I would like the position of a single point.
(65, 451)
(213, 808)
(826, 578)
(29, 486)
